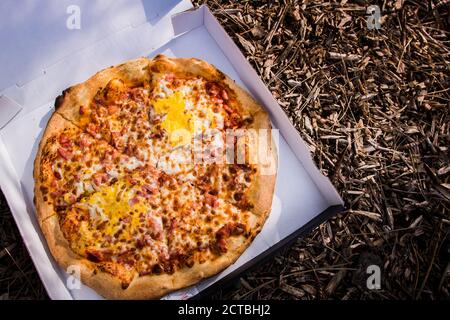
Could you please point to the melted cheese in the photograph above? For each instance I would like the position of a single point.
(177, 120)
(131, 163)
(112, 203)
(186, 111)
(177, 161)
(183, 117)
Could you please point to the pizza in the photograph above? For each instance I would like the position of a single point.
(149, 176)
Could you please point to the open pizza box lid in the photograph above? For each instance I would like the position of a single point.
(44, 53)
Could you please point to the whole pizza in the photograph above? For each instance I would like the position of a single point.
(152, 175)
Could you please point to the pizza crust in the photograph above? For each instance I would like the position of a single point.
(261, 191)
(104, 283)
(55, 125)
(137, 72)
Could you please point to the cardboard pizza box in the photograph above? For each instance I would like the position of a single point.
(50, 47)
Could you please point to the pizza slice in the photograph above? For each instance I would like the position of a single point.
(149, 224)
(115, 107)
(233, 168)
(73, 164)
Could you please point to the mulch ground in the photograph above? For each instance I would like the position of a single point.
(373, 106)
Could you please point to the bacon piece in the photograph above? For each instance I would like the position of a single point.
(84, 141)
(211, 200)
(92, 129)
(98, 255)
(148, 189)
(106, 161)
(67, 155)
(122, 272)
(83, 110)
(226, 231)
(57, 175)
(228, 109)
(173, 225)
(132, 180)
(169, 77)
(234, 118)
(109, 155)
(164, 255)
(238, 196)
(134, 200)
(56, 193)
(224, 95)
(140, 243)
(70, 225)
(115, 138)
(126, 219)
(113, 108)
(102, 111)
(130, 149)
(139, 96)
(65, 141)
(100, 178)
(70, 198)
(212, 88)
(125, 129)
(112, 92)
(157, 135)
(147, 239)
(155, 228)
(96, 119)
(163, 178)
(221, 245)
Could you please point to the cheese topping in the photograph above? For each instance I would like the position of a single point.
(129, 191)
(177, 121)
(186, 112)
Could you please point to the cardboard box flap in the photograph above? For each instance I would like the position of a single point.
(39, 34)
(79, 65)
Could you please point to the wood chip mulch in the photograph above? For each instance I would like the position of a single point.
(373, 107)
